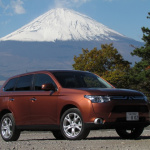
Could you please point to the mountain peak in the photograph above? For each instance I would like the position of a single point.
(63, 24)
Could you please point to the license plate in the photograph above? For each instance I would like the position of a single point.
(132, 116)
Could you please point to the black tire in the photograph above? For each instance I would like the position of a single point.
(132, 133)
(58, 135)
(8, 128)
(72, 125)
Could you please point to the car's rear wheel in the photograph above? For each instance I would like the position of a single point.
(8, 128)
(72, 125)
(132, 133)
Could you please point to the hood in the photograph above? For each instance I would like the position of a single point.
(112, 92)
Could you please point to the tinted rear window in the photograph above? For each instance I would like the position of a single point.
(10, 85)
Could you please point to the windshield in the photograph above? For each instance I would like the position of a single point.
(80, 80)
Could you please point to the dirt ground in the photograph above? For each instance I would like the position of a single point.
(97, 140)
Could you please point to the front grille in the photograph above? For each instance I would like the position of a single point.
(129, 108)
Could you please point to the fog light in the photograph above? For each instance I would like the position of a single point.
(98, 121)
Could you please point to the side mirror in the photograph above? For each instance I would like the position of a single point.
(48, 87)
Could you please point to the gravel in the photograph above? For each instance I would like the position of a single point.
(97, 140)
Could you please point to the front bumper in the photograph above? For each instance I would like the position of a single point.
(114, 114)
(114, 125)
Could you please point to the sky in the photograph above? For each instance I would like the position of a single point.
(124, 16)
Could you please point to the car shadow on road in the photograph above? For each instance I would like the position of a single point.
(144, 137)
(116, 138)
(89, 138)
(103, 138)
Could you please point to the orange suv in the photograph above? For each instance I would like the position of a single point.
(70, 104)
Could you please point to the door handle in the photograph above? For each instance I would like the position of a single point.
(11, 99)
(33, 99)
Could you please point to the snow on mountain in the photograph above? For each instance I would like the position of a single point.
(63, 24)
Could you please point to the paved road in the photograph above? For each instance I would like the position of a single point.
(97, 140)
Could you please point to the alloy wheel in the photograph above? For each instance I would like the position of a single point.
(6, 128)
(72, 125)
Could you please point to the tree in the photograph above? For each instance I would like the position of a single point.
(141, 71)
(106, 62)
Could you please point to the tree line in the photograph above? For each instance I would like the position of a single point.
(110, 65)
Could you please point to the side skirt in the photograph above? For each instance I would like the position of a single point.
(38, 127)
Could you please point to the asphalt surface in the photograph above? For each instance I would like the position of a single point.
(97, 140)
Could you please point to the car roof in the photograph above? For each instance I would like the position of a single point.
(46, 71)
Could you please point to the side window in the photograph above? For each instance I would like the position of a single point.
(41, 79)
(24, 83)
(10, 85)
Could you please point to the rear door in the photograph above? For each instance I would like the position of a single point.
(18, 99)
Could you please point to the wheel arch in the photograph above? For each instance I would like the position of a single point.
(66, 107)
(3, 112)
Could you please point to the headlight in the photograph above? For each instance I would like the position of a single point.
(145, 98)
(98, 99)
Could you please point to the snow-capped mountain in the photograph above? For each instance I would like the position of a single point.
(63, 25)
(51, 41)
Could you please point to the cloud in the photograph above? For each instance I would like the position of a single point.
(69, 3)
(17, 6)
(12, 7)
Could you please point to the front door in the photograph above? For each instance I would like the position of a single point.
(43, 104)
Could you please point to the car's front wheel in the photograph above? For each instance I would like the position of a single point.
(8, 128)
(132, 133)
(72, 125)
(58, 135)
